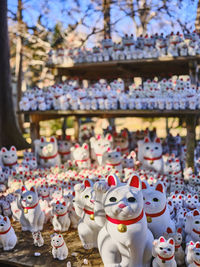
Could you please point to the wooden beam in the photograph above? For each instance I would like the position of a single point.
(190, 140)
(76, 128)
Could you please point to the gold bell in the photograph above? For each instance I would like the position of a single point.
(149, 220)
(122, 228)
(25, 211)
(151, 162)
(92, 217)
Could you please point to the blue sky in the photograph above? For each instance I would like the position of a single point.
(54, 13)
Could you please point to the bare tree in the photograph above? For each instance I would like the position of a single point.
(9, 132)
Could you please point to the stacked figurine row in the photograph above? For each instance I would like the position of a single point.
(154, 46)
(169, 94)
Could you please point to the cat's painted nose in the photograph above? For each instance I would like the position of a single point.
(121, 206)
(147, 203)
(92, 201)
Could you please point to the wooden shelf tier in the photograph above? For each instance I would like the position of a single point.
(146, 68)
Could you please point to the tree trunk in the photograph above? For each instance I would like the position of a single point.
(197, 21)
(9, 132)
(106, 18)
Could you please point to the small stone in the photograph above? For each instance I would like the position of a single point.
(69, 264)
(85, 261)
(37, 254)
(75, 254)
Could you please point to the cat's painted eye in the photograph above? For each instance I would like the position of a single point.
(2, 224)
(169, 249)
(160, 248)
(29, 197)
(144, 198)
(156, 147)
(86, 196)
(196, 222)
(113, 199)
(131, 199)
(197, 253)
(116, 156)
(155, 199)
(13, 155)
(21, 197)
(61, 208)
(109, 156)
(147, 147)
(5, 156)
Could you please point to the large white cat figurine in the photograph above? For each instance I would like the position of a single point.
(8, 238)
(59, 248)
(9, 157)
(124, 239)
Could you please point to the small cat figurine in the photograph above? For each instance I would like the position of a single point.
(192, 226)
(8, 238)
(47, 152)
(38, 239)
(32, 218)
(113, 159)
(60, 220)
(163, 251)
(9, 157)
(59, 248)
(177, 236)
(80, 155)
(64, 147)
(193, 254)
(191, 202)
(156, 209)
(124, 239)
(84, 206)
(150, 154)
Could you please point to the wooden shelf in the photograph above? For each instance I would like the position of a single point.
(146, 68)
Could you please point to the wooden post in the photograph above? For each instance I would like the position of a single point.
(34, 132)
(76, 128)
(190, 140)
(64, 127)
(193, 72)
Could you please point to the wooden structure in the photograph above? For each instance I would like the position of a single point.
(145, 68)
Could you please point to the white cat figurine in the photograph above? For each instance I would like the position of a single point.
(38, 239)
(59, 248)
(193, 254)
(60, 220)
(192, 226)
(9, 157)
(8, 238)
(163, 251)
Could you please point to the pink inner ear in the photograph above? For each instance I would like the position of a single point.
(99, 137)
(3, 150)
(87, 183)
(191, 243)
(135, 181)
(159, 187)
(162, 239)
(32, 189)
(23, 189)
(118, 149)
(64, 204)
(146, 140)
(13, 148)
(58, 202)
(59, 235)
(144, 185)
(179, 230)
(52, 140)
(77, 145)
(180, 197)
(109, 137)
(108, 149)
(5, 219)
(171, 241)
(42, 139)
(86, 147)
(169, 230)
(198, 245)
(170, 203)
(157, 140)
(111, 181)
(196, 197)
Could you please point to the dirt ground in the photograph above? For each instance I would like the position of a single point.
(23, 253)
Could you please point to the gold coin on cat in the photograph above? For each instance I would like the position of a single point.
(149, 220)
(122, 228)
(25, 211)
(92, 217)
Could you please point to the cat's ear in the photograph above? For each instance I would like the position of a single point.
(145, 185)
(179, 230)
(159, 187)
(53, 139)
(171, 241)
(196, 213)
(161, 239)
(197, 245)
(4, 150)
(146, 140)
(42, 139)
(88, 183)
(33, 189)
(113, 180)
(5, 219)
(13, 148)
(85, 146)
(64, 204)
(109, 137)
(169, 230)
(134, 181)
(23, 189)
(157, 140)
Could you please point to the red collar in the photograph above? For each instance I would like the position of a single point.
(60, 215)
(113, 165)
(124, 149)
(10, 164)
(175, 173)
(126, 222)
(178, 246)
(146, 158)
(3, 233)
(196, 232)
(88, 211)
(165, 259)
(28, 208)
(197, 264)
(99, 155)
(50, 157)
(59, 246)
(153, 215)
(191, 208)
(45, 196)
(64, 153)
(82, 160)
